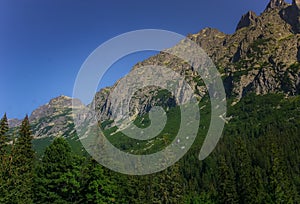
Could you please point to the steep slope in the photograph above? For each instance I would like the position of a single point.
(52, 119)
(262, 56)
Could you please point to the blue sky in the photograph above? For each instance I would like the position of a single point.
(44, 43)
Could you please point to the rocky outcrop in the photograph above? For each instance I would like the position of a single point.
(291, 15)
(247, 20)
(54, 118)
(276, 4)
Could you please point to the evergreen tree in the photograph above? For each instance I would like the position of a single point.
(260, 190)
(3, 137)
(168, 186)
(97, 187)
(226, 183)
(3, 159)
(244, 172)
(57, 179)
(22, 166)
(282, 190)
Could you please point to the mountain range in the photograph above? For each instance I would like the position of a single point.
(262, 56)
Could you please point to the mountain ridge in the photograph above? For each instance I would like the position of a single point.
(262, 56)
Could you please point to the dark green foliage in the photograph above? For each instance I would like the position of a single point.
(21, 167)
(281, 189)
(3, 139)
(3, 158)
(168, 186)
(245, 187)
(226, 183)
(194, 198)
(57, 179)
(3, 130)
(97, 186)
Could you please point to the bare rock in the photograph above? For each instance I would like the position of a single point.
(247, 20)
(276, 4)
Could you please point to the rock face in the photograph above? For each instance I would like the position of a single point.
(14, 122)
(247, 20)
(291, 15)
(54, 118)
(276, 4)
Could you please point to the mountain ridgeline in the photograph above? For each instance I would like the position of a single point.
(262, 57)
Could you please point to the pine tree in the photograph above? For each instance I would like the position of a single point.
(260, 191)
(168, 186)
(281, 189)
(97, 186)
(57, 179)
(3, 159)
(226, 183)
(22, 166)
(244, 172)
(3, 137)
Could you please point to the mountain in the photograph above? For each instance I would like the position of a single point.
(255, 161)
(52, 119)
(261, 57)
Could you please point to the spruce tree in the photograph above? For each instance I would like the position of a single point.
(22, 166)
(244, 172)
(3, 137)
(3, 159)
(97, 186)
(168, 186)
(57, 179)
(226, 183)
(260, 190)
(282, 190)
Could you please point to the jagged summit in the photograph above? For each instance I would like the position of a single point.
(276, 4)
(248, 19)
(290, 13)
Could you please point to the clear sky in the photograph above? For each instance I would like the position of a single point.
(44, 43)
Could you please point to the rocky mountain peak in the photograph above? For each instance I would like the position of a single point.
(247, 20)
(276, 4)
(59, 104)
(61, 100)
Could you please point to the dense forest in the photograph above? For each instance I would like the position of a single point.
(256, 161)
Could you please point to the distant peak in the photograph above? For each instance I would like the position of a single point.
(64, 97)
(59, 100)
(275, 4)
(247, 20)
(61, 97)
(210, 31)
